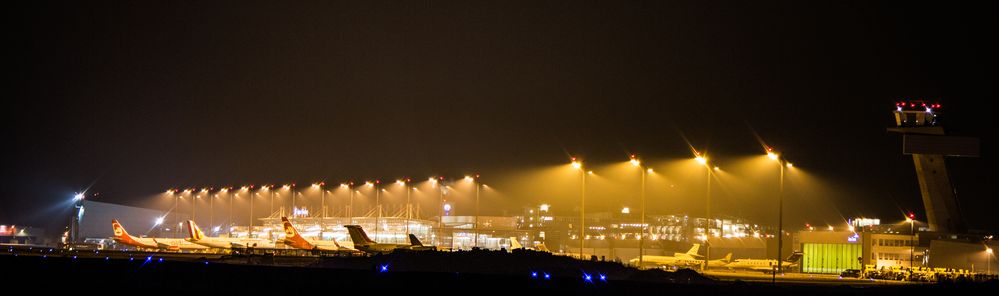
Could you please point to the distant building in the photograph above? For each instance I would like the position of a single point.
(18, 235)
(868, 244)
(96, 221)
(615, 235)
(829, 251)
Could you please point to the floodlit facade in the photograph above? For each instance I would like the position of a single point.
(615, 236)
(890, 247)
(829, 252)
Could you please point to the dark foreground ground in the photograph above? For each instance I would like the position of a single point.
(471, 274)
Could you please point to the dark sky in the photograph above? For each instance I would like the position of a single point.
(129, 99)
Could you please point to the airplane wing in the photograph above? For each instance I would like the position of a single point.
(166, 246)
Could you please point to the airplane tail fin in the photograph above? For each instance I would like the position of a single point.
(728, 258)
(693, 250)
(122, 236)
(541, 247)
(292, 238)
(194, 231)
(414, 241)
(514, 244)
(358, 236)
(119, 231)
(795, 256)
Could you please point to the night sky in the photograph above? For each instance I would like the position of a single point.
(130, 99)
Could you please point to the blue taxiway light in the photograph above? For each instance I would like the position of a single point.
(384, 268)
(603, 278)
(587, 277)
(161, 259)
(548, 276)
(534, 274)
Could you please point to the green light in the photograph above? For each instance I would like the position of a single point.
(830, 258)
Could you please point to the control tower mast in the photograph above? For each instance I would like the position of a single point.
(924, 139)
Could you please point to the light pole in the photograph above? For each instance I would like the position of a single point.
(378, 209)
(322, 202)
(988, 251)
(176, 206)
(405, 185)
(211, 209)
(286, 187)
(703, 160)
(228, 220)
(780, 208)
(440, 208)
(475, 227)
(226, 191)
(194, 204)
(172, 193)
(271, 209)
(293, 200)
(582, 204)
(250, 195)
(641, 238)
(270, 192)
(322, 194)
(912, 247)
(350, 209)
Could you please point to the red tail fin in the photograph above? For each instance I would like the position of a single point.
(121, 236)
(119, 232)
(292, 238)
(194, 231)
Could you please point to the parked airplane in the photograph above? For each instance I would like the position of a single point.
(678, 259)
(295, 240)
(365, 244)
(514, 244)
(720, 262)
(765, 265)
(170, 244)
(198, 237)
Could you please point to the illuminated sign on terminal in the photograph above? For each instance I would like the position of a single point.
(863, 222)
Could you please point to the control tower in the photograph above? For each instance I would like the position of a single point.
(923, 138)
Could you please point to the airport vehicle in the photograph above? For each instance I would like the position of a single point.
(365, 244)
(198, 237)
(765, 265)
(294, 239)
(850, 273)
(152, 243)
